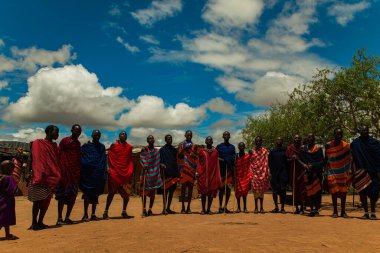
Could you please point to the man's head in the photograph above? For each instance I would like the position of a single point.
(241, 147)
(209, 141)
(52, 132)
(188, 135)
(168, 139)
(76, 131)
(150, 140)
(123, 136)
(96, 134)
(226, 136)
(6, 167)
(297, 140)
(338, 134)
(258, 142)
(310, 139)
(279, 142)
(363, 131)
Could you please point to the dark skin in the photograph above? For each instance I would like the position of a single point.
(209, 199)
(76, 131)
(227, 189)
(338, 136)
(123, 139)
(38, 209)
(364, 135)
(297, 141)
(167, 198)
(96, 135)
(258, 146)
(279, 143)
(241, 148)
(6, 168)
(187, 186)
(150, 141)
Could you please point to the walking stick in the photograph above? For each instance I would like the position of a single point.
(163, 172)
(294, 182)
(225, 187)
(235, 199)
(143, 191)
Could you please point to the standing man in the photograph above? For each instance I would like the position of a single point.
(209, 180)
(338, 157)
(168, 154)
(45, 175)
(187, 163)
(312, 159)
(366, 154)
(150, 174)
(278, 165)
(93, 174)
(260, 172)
(69, 154)
(227, 155)
(243, 176)
(297, 173)
(120, 166)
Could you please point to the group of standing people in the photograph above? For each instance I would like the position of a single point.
(66, 168)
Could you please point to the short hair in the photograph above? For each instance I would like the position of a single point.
(336, 129)
(189, 131)
(50, 128)
(208, 137)
(96, 130)
(76, 125)
(166, 136)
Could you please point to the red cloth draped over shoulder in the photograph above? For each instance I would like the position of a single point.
(209, 180)
(70, 161)
(120, 163)
(45, 164)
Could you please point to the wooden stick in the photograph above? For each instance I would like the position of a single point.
(163, 172)
(225, 187)
(294, 182)
(143, 191)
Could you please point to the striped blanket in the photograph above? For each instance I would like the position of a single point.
(187, 161)
(150, 160)
(338, 166)
(313, 177)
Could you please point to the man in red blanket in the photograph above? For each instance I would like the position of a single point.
(243, 176)
(209, 180)
(120, 165)
(69, 153)
(45, 175)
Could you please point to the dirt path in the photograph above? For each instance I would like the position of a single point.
(195, 233)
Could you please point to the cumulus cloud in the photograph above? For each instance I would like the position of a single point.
(222, 123)
(4, 101)
(2, 43)
(73, 94)
(158, 10)
(7, 64)
(150, 39)
(66, 95)
(130, 48)
(150, 111)
(233, 14)
(345, 12)
(220, 105)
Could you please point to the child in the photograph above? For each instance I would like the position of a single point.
(8, 188)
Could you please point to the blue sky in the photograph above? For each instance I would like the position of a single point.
(166, 66)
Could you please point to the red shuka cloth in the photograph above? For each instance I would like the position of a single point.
(243, 175)
(70, 153)
(46, 172)
(120, 163)
(209, 180)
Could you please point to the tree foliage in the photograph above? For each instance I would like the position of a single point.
(346, 97)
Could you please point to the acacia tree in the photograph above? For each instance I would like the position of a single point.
(346, 98)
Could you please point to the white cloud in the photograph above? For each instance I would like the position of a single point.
(2, 43)
(4, 101)
(220, 105)
(150, 111)
(71, 94)
(130, 48)
(7, 64)
(3, 84)
(66, 95)
(158, 10)
(233, 14)
(150, 39)
(345, 12)
(223, 123)
(232, 84)
(114, 10)
(32, 58)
